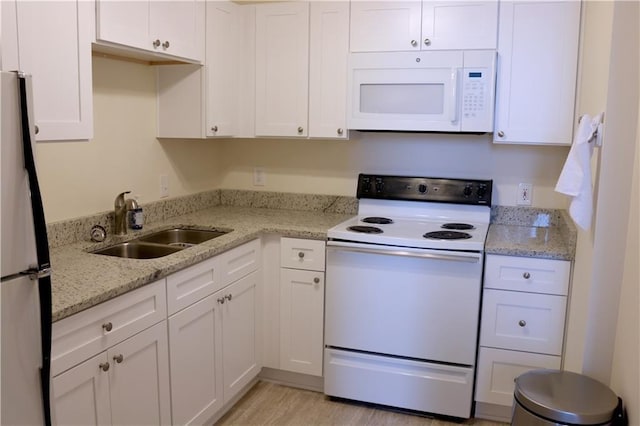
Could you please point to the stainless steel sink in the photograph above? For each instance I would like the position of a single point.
(138, 250)
(160, 243)
(182, 237)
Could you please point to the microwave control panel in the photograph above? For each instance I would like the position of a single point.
(475, 95)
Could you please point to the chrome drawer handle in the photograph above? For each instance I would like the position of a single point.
(316, 280)
(526, 275)
(107, 327)
(221, 300)
(229, 297)
(118, 358)
(104, 366)
(301, 255)
(522, 323)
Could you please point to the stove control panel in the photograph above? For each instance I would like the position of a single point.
(412, 188)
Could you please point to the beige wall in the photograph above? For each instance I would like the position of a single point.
(81, 178)
(331, 167)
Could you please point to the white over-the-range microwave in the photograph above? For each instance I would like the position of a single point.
(436, 91)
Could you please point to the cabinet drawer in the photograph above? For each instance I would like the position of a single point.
(527, 274)
(79, 337)
(302, 254)
(192, 284)
(523, 321)
(238, 262)
(498, 368)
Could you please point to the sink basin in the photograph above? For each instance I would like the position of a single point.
(138, 250)
(182, 237)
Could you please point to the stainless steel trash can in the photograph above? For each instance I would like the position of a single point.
(552, 397)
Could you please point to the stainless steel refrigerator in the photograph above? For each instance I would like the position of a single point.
(25, 286)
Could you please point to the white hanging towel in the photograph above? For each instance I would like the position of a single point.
(575, 178)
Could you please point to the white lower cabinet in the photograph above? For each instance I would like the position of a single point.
(302, 305)
(213, 341)
(522, 325)
(127, 384)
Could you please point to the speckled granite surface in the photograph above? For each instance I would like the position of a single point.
(81, 279)
(544, 233)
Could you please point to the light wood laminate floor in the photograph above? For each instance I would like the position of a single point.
(272, 404)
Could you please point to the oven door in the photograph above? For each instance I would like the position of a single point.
(411, 303)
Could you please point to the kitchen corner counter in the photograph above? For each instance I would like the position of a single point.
(527, 232)
(81, 279)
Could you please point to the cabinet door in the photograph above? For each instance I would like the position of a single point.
(221, 65)
(124, 22)
(301, 321)
(81, 394)
(498, 369)
(537, 66)
(139, 378)
(54, 45)
(282, 69)
(380, 26)
(459, 24)
(328, 53)
(195, 343)
(180, 26)
(240, 334)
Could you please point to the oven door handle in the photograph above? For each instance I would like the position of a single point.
(422, 254)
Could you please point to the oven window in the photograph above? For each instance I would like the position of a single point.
(416, 98)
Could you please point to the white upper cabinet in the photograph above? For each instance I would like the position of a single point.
(54, 46)
(537, 68)
(380, 26)
(222, 49)
(328, 54)
(174, 27)
(282, 69)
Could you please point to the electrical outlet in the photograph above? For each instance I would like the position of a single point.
(164, 186)
(525, 194)
(259, 177)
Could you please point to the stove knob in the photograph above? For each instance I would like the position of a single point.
(482, 191)
(422, 188)
(467, 190)
(379, 186)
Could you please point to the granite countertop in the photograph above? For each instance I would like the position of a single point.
(548, 234)
(81, 279)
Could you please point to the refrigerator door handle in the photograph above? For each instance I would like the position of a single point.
(42, 249)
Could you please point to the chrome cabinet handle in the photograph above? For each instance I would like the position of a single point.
(107, 327)
(526, 275)
(214, 129)
(414, 43)
(166, 44)
(501, 134)
(427, 42)
(156, 43)
(221, 300)
(118, 358)
(229, 297)
(301, 254)
(316, 280)
(522, 323)
(104, 366)
(340, 131)
(300, 129)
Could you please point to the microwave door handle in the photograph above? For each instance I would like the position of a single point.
(453, 104)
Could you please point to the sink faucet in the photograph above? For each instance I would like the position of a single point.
(120, 214)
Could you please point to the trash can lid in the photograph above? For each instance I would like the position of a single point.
(565, 397)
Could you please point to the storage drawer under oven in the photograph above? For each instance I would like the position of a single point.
(415, 307)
